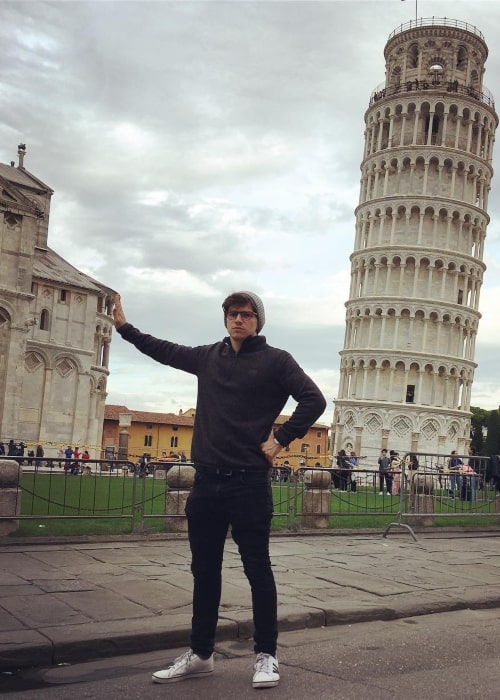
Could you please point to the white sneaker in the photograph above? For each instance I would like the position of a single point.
(380, 493)
(265, 671)
(188, 665)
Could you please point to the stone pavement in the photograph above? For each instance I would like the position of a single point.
(61, 603)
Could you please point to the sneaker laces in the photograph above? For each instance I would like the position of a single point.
(264, 663)
(183, 659)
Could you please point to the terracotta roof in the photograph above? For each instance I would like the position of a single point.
(283, 419)
(112, 411)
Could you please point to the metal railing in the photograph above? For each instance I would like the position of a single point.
(112, 495)
(74, 490)
(438, 490)
(432, 86)
(436, 22)
(432, 494)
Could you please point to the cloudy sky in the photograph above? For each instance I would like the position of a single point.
(196, 148)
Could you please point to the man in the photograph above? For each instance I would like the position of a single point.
(68, 453)
(454, 467)
(384, 472)
(243, 384)
(477, 466)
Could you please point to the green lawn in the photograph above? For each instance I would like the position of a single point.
(84, 501)
(366, 509)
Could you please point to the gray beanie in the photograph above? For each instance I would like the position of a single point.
(256, 302)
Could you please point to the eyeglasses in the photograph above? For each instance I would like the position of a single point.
(245, 315)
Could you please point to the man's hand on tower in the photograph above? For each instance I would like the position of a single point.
(118, 315)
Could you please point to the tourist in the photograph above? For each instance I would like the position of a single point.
(384, 472)
(243, 384)
(454, 466)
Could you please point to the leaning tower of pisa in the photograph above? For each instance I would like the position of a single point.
(412, 315)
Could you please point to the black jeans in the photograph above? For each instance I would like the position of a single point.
(387, 477)
(242, 500)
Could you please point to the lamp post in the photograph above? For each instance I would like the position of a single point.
(124, 422)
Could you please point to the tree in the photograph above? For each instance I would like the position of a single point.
(477, 441)
(479, 422)
(492, 443)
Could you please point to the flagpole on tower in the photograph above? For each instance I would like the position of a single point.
(416, 9)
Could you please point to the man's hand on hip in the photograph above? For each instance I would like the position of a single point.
(270, 448)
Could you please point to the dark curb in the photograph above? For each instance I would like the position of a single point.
(170, 536)
(71, 647)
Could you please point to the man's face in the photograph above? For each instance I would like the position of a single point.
(240, 328)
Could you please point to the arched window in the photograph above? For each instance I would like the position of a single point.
(44, 320)
(413, 56)
(461, 58)
(396, 76)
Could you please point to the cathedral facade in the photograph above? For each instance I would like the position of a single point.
(55, 327)
(412, 315)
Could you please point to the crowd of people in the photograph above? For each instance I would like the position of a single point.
(459, 477)
(463, 478)
(389, 474)
(35, 457)
(75, 461)
(342, 476)
(13, 449)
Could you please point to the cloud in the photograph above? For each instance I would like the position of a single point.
(196, 148)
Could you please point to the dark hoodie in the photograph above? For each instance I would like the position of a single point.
(240, 396)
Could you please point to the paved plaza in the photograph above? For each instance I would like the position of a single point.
(65, 602)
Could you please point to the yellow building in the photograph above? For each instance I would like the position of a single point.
(159, 434)
(154, 434)
(307, 451)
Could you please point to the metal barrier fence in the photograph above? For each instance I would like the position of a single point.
(437, 487)
(74, 490)
(423, 490)
(95, 491)
(327, 497)
(141, 497)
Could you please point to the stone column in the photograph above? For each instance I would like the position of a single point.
(10, 495)
(180, 478)
(421, 498)
(385, 438)
(160, 472)
(415, 436)
(124, 422)
(316, 498)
